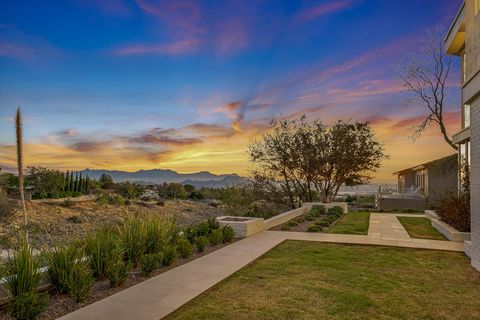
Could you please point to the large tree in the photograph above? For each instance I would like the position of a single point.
(425, 76)
(46, 183)
(308, 158)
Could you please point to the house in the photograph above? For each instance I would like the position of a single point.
(430, 180)
(463, 40)
(421, 186)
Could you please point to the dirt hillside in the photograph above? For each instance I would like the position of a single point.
(57, 222)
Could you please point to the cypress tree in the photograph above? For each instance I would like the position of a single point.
(70, 187)
(67, 182)
(80, 183)
(87, 185)
(75, 184)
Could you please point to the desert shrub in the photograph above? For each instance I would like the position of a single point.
(68, 273)
(161, 203)
(102, 199)
(454, 209)
(101, 247)
(260, 209)
(213, 223)
(133, 236)
(160, 232)
(202, 229)
(68, 203)
(117, 199)
(350, 198)
(7, 206)
(28, 306)
(201, 242)
(190, 234)
(336, 211)
(216, 237)
(150, 262)
(22, 276)
(184, 247)
(285, 227)
(128, 202)
(314, 228)
(170, 254)
(317, 210)
(228, 234)
(323, 223)
(80, 281)
(117, 272)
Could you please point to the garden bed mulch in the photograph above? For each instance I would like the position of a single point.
(62, 304)
(301, 224)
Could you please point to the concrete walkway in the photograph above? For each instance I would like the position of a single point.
(160, 295)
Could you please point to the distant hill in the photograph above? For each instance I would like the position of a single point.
(158, 176)
(228, 181)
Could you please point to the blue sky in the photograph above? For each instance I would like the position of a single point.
(186, 84)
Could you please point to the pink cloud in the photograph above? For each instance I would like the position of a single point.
(107, 7)
(182, 16)
(308, 14)
(179, 47)
(14, 51)
(186, 22)
(232, 36)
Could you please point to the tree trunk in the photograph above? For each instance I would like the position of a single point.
(445, 135)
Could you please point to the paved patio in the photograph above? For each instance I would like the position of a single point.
(160, 295)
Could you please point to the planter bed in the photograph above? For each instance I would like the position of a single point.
(449, 232)
(310, 222)
(62, 304)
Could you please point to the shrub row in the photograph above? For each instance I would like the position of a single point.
(110, 253)
(208, 231)
(320, 217)
(326, 221)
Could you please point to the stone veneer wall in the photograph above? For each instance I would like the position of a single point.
(475, 183)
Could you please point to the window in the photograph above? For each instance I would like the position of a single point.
(466, 116)
(464, 66)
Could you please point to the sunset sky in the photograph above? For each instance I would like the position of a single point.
(185, 85)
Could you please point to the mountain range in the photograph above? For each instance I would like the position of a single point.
(158, 176)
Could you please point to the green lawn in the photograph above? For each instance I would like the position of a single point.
(352, 223)
(420, 228)
(311, 280)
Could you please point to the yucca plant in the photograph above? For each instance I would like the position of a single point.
(101, 247)
(22, 277)
(68, 271)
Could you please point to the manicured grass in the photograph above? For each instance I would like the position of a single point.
(311, 280)
(352, 223)
(419, 227)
